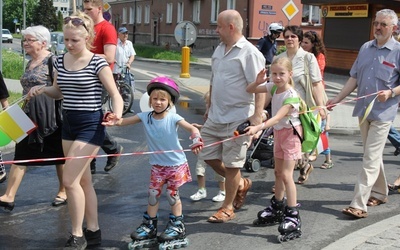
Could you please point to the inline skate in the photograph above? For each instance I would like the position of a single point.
(272, 214)
(290, 228)
(146, 234)
(174, 235)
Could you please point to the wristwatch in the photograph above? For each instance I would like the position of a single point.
(393, 94)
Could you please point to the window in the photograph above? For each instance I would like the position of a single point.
(231, 4)
(196, 11)
(311, 15)
(124, 15)
(169, 13)
(214, 11)
(179, 16)
(131, 15)
(147, 14)
(139, 14)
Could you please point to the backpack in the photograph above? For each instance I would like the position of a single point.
(311, 128)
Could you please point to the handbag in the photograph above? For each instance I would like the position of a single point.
(309, 98)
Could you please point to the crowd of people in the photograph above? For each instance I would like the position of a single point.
(245, 79)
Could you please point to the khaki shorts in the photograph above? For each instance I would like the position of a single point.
(201, 171)
(231, 152)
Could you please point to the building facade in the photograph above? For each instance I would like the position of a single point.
(62, 6)
(154, 21)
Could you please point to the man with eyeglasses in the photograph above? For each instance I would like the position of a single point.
(105, 44)
(124, 56)
(375, 74)
(268, 44)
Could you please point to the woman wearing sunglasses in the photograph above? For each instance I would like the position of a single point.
(80, 77)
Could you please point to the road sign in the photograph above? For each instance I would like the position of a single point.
(290, 10)
(106, 6)
(185, 33)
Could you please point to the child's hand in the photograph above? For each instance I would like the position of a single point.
(111, 119)
(261, 76)
(197, 144)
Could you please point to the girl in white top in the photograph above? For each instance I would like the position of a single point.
(287, 145)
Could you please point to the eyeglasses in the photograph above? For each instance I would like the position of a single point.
(30, 40)
(290, 36)
(383, 25)
(76, 22)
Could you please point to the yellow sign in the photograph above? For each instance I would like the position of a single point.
(106, 6)
(345, 10)
(290, 10)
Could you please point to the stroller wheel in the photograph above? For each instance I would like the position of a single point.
(255, 165)
(247, 164)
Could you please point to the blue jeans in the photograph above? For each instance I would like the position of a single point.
(394, 137)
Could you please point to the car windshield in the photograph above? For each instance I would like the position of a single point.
(5, 32)
(61, 39)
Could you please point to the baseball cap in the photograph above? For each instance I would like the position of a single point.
(122, 30)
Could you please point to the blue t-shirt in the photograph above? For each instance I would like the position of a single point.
(163, 135)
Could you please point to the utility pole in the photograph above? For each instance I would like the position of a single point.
(24, 27)
(1, 44)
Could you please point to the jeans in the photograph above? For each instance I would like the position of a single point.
(394, 137)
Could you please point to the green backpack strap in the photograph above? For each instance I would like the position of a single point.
(290, 100)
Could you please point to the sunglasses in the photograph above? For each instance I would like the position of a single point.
(76, 22)
(290, 36)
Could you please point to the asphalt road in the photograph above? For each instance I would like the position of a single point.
(122, 196)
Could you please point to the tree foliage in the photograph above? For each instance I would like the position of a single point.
(13, 9)
(45, 14)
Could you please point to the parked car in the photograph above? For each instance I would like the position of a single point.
(6, 36)
(57, 43)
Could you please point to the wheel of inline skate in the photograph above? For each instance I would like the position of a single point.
(281, 238)
(131, 246)
(255, 165)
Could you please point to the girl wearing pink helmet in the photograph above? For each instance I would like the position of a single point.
(172, 169)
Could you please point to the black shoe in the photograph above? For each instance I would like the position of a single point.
(112, 161)
(8, 206)
(3, 177)
(93, 166)
(397, 152)
(75, 242)
(92, 238)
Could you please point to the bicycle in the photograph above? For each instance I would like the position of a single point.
(124, 81)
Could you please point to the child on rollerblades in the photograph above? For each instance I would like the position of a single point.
(287, 147)
(172, 169)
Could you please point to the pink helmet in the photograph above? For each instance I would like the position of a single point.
(165, 83)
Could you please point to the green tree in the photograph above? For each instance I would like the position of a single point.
(45, 14)
(60, 21)
(13, 9)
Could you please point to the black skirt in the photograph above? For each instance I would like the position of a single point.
(52, 148)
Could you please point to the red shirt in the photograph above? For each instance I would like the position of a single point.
(105, 33)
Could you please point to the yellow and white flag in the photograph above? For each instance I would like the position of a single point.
(15, 123)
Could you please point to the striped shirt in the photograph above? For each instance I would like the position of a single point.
(81, 88)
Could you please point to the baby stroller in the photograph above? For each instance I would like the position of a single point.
(263, 150)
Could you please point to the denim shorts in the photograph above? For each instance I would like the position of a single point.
(83, 126)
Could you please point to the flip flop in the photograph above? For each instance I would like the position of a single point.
(355, 212)
(393, 187)
(59, 201)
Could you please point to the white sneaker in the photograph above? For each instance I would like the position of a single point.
(200, 194)
(219, 197)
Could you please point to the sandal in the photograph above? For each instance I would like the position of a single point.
(355, 212)
(223, 215)
(304, 173)
(393, 187)
(241, 194)
(372, 201)
(59, 201)
(327, 165)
